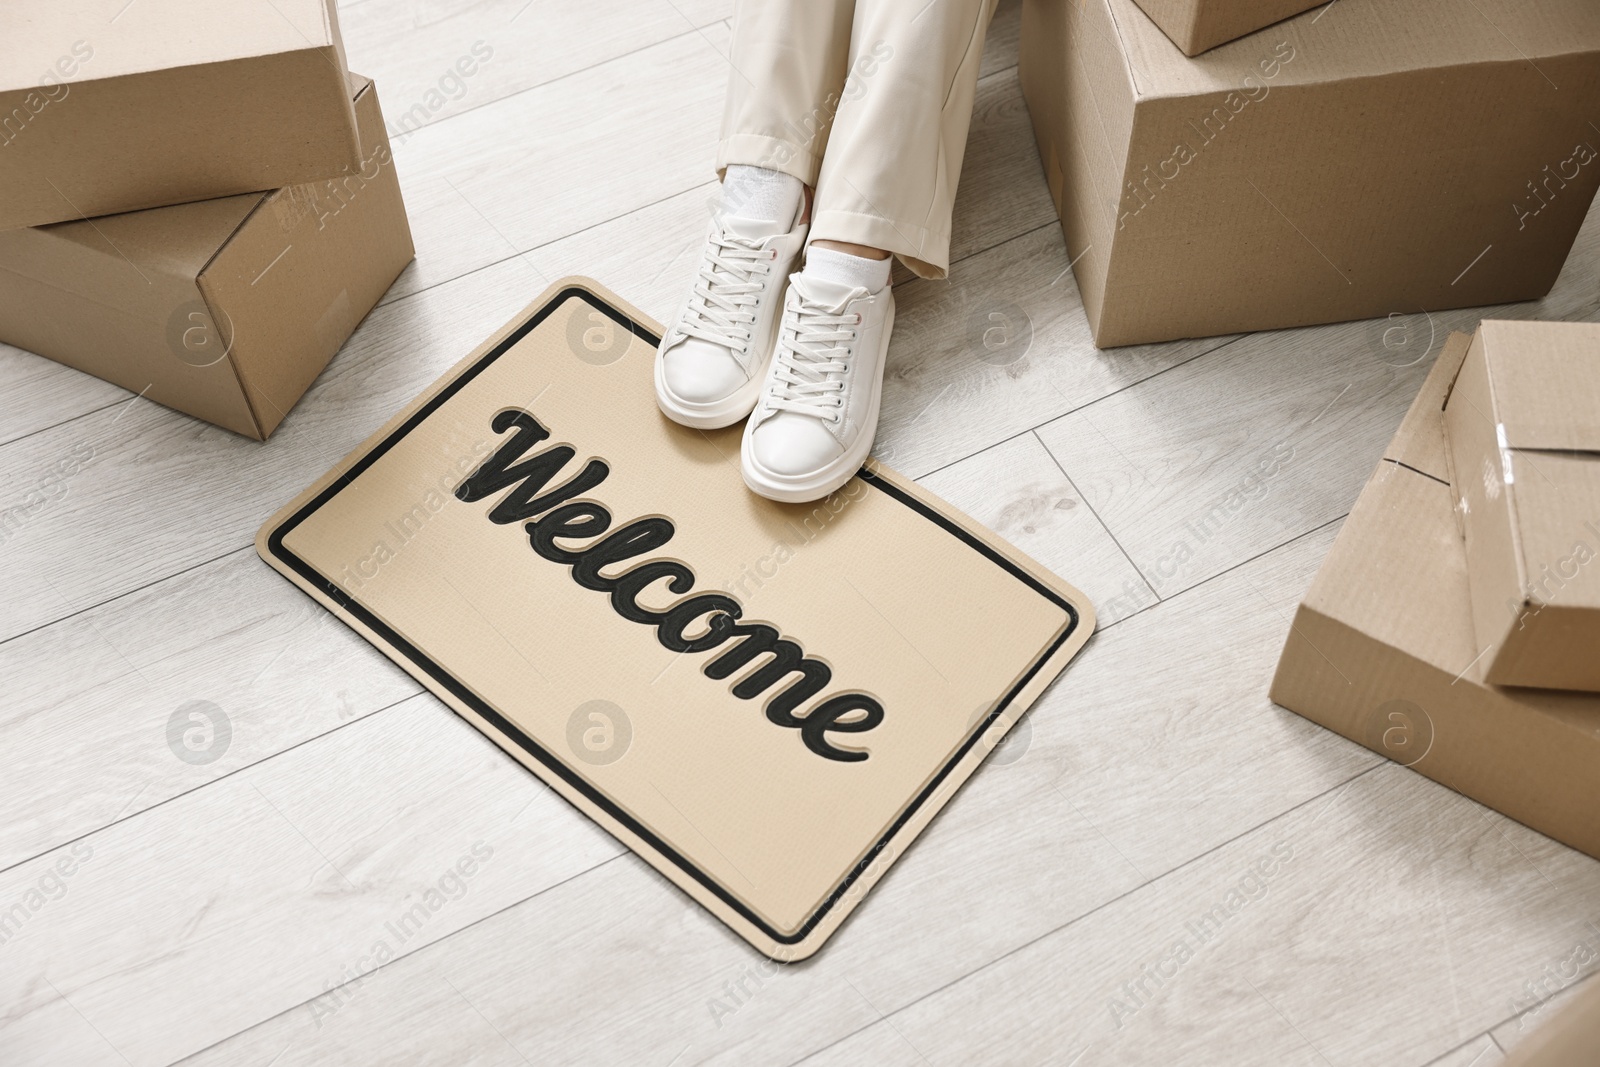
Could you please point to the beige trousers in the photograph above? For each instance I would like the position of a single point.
(868, 102)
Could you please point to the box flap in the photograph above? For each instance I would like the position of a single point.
(1544, 378)
(180, 239)
(1398, 573)
(61, 43)
(1361, 39)
(1425, 611)
(305, 267)
(1419, 443)
(124, 261)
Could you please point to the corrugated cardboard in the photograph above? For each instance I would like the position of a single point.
(579, 577)
(1523, 425)
(1382, 646)
(226, 309)
(1571, 1039)
(1366, 158)
(109, 106)
(1196, 25)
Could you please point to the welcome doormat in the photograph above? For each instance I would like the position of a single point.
(766, 701)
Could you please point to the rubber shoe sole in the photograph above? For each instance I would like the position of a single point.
(712, 416)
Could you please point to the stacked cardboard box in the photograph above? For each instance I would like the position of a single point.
(136, 241)
(1197, 25)
(1365, 158)
(1384, 647)
(105, 110)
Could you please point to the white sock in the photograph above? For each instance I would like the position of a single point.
(758, 195)
(842, 267)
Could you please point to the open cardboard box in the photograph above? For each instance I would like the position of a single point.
(109, 106)
(1381, 649)
(226, 309)
(1523, 424)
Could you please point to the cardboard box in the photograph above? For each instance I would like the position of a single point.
(1523, 425)
(226, 309)
(1568, 1040)
(1381, 646)
(1196, 25)
(107, 106)
(1364, 159)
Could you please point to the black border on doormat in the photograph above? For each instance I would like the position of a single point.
(545, 757)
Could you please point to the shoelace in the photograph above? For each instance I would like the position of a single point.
(808, 373)
(721, 308)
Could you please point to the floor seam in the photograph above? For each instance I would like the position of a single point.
(263, 761)
(119, 596)
(1103, 525)
(1095, 910)
(624, 851)
(69, 419)
(1034, 429)
(554, 81)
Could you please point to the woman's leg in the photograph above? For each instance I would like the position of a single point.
(788, 61)
(887, 184)
(894, 155)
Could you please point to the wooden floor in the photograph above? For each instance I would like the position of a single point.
(237, 912)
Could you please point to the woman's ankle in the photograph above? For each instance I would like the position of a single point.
(864, 251)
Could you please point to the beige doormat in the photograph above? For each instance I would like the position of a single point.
(767, 702)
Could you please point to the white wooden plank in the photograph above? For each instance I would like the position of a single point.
(704, 12)
(555, 159)
(1017, 490)
(436, 58)
(264, 667)
(1480, 1052)
(1150, 749)
(1390, 934)
(39, 393)
(393, 1015)
(1224, 457)
(215, 911)
(614, 967)
(1002, 348)
(1002, 191)
(649, 257)
(559, 158)
(1005, 30)
(166, 492)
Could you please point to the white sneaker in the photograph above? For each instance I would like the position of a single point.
(714, 356)
(818, 412)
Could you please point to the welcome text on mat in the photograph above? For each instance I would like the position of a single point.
(548, 519)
